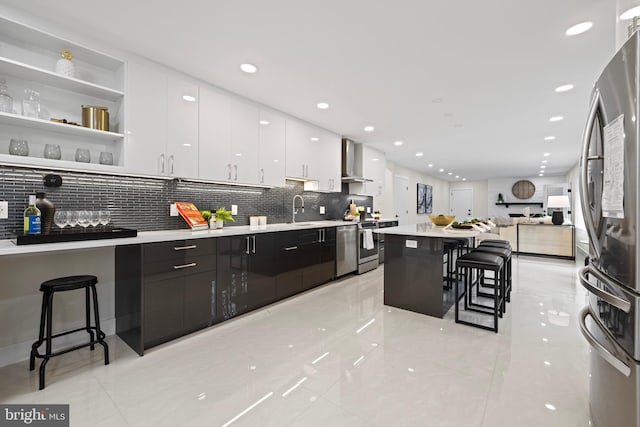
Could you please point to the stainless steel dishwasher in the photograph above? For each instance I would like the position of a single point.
(346, 249)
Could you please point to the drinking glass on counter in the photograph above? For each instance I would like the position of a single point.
(61, 218)
(84, 219)
(94, 218)
(72, 218)
(105, 217)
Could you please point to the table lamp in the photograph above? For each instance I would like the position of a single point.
(558, 203)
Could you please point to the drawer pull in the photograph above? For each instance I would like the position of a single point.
(179, 267)
(181, 248)
(291, 248)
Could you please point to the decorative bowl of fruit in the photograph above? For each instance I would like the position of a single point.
(442, 219)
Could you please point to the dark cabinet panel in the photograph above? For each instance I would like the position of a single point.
(163, 311)
(198, 292)
(246, 274)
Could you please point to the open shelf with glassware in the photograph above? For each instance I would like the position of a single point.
(49, 89)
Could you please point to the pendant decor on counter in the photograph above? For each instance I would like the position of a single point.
(64, 65)
(47, 211)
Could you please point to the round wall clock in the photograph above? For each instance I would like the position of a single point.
(523, 189)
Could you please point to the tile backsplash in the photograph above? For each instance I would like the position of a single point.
(143, 203)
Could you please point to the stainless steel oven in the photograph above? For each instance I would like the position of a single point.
(367, 247)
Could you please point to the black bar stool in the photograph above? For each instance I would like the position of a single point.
(49, 288)
(506, 257)
(495, 243)
(450, 247)
(474, 265)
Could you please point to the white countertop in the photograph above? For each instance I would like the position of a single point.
(426, 230)
(7, 247)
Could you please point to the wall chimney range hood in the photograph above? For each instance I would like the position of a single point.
(352, 162)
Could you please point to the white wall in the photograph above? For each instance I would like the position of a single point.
(440, 193)
(480, 188)
(496, 186)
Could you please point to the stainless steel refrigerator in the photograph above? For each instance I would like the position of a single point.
(609, 187)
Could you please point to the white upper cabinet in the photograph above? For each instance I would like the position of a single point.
(271, 156)
(28, 61)
(146, 120)
(328, 160)
(215, 135)
(298, 149)
(373, 165)
(245, 136)
(182, 129)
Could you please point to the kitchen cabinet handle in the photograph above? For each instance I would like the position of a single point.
(615, 301)
(319, 235)
(262, 176)
(247, 251)
(182, 248)
(594, 109)
(229, 171)
(179, 267)
(303, 170)
(254, 244)
(162, 163)
(235, 167)
(599, 348)
(306, 174)
(291, 248)
(171, 163)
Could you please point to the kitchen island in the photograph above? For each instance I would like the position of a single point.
(413, 272)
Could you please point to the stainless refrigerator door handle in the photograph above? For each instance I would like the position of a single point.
(254, 244)
(615, 301)
(247, 251)
(303, 170)
(171, 163)
(599, 348)
(182, 248)
(178, 267)
(584, 172)
(162, 163)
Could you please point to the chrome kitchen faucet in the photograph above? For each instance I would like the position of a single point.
(293, 206)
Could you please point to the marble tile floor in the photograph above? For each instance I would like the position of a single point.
(336, 356)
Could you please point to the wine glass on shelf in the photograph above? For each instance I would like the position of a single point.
(94, 218)
(72, 218)
(61, 218)
(84, 218)
(105, 217)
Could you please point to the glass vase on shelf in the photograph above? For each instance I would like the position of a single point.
(31, 104)
(64, 65)
(6, 101)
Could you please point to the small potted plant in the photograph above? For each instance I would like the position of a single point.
(221, 215)
(207, 216)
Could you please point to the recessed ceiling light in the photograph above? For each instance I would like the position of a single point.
(630, 13)
(450, 173)
(540, 174)
(441, 170)
(549, 138)
(544, 161)
(579, 28)
(550, 407)
(542, 167)
(556, 118)
(189, 98)
(430, 165)
(264, 122)
(275, 160)
(375, 159)
(322, 105)
(398, 143)
(564, 88)
(248, 68)
(369, 128)
(315, 138)
(419, 154)
(546, 154)
(187, 145)
(464, 179)
(238, 154)
(457, 176)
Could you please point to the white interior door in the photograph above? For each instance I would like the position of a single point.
(461, 203)
(400, 198)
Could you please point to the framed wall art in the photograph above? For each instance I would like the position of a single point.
(425, 199)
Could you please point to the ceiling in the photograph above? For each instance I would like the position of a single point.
(469, 83)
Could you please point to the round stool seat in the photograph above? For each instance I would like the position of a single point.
(68, 283)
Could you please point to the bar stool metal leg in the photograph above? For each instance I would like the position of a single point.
(87, 311)
(99, 334)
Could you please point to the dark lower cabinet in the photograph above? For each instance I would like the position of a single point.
(246, 274)
(164, 290)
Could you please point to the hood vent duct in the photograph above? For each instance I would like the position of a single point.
(352, 162)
